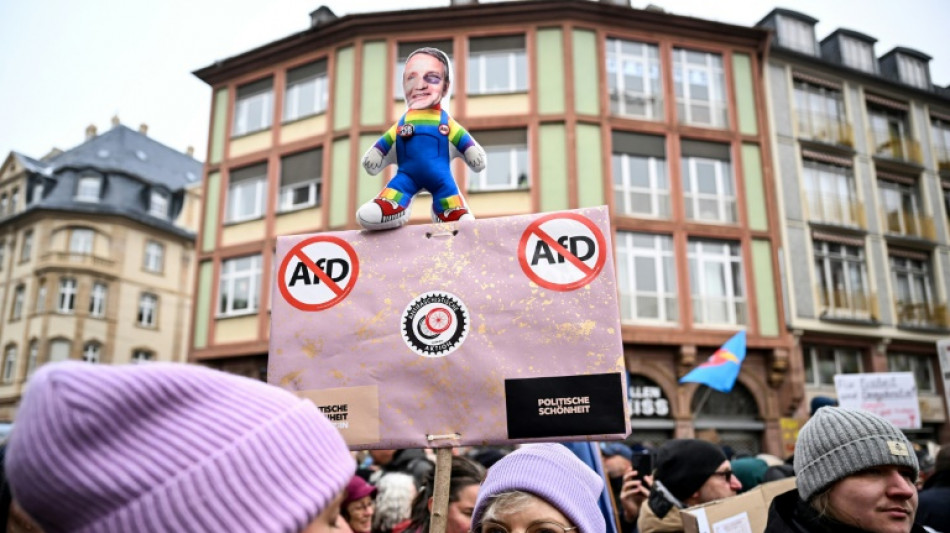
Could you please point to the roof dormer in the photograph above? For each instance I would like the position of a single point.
(851, 49)
(793, 30)
(907, 66)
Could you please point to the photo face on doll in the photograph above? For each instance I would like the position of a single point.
(424, 81)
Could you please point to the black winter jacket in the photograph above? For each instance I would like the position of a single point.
(789, 514)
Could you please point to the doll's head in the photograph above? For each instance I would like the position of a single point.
(426, 78)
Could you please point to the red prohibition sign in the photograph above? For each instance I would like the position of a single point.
(589, 272)
(306, 298)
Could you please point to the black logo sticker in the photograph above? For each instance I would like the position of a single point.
(435, 324)
(564, 406)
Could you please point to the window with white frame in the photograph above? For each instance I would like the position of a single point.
(640, 177)
(940, 133)
(920, 365)
(97, 299)
(901, 203)
(796, 34)
(709, 191)
(59, 350)
(890, 130)
(89, 189)
(34, 192)
(142, 356)
(32, 356)
(14, 200)
(67, 295)
(507, 166)
(253, 109)
(19, 294)
(91, 352)
(646, 274)
(819, 113)
(633, 79)
(240, 280)
(858, 54)
(822, 363)
(3, 204)
(307, 92)
(830, 193)
(912, 71)
(80, 241)
(158, 204)
(841, 272)
(41, 297)
(247, 193)
(402, 52)
(716, 282)
(497, 65)
(301, 180)
(148, 309)
(913, 288)
(154, 256)
(26, 247)
(700, 87)
(9, 363)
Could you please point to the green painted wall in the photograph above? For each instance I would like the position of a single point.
(586, 91)
(765, 287)
(550, 71)
(340, 190)
(552, 180)
(368, 186)
(209, 234)
(372, 95)
(590, 172)
(745, 96)
(754, 188)
(203, 304)
(219, 125)
(343, 88)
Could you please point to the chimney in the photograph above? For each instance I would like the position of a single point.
(90, 131)
(115, 120)
(143, 128)
(322, 15)
(190, 151)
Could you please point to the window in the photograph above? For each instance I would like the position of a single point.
(830, 193)
(9, 363)
(41, 297)
(307, 90)
(253, 110)
(912, 71)
(403, 52)
(89, 189)
(240, 278)
(716, 282)
(797, 35)
(97, 300)
(3, 253)
(700, 87)
(59, 350)
(708, 184)
(858, 54)
(913, 288)
(646, 274)
(142, 356)
(301, 180)
(919, 365)
(842, 277)
(940, 129)
(823, 362)
(67, 295)
(820, 115)
(80, 241)
(497, 65)
(26, 248)
(148, 309)
(507, 165)
(158, 204)
(641, 183)
(91, 352)
(247, 193)
(900, 201)
(18, 295)
(633, 79)
(3, 204)
(890, 133)
(154, 256)
(14, 200)
(34, 192)
(32, 356)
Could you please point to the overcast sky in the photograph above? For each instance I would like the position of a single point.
(66, 64)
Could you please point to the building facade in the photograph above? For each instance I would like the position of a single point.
(96, 255)
(862, 145)
(577, 104)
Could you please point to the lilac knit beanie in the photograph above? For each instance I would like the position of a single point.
(550, 472)
(170, 447)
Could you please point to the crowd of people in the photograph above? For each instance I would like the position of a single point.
(171, 447)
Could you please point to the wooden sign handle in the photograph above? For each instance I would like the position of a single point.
(440, 496)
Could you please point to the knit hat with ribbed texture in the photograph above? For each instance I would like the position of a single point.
(684, 465)
(170, 447)
(552, 473)
(838, 442)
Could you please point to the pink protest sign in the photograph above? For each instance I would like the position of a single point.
(503, 330)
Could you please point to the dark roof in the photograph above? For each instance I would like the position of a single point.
(851, 33)
(788, 13)
(32, 165)
(908, 52)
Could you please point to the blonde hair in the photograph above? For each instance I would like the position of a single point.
(513, 501)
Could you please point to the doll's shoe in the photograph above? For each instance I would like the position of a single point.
(381, 213)
(452, 215)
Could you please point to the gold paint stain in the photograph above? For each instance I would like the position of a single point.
(611, 330)
(289, 378)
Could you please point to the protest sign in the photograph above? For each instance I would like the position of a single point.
(890, 395)
(495, 331)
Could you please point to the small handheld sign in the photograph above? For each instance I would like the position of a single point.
(562, 251)
(318, 273)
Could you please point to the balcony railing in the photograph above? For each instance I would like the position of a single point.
(899, 148)
(922, 314)
(825, 128)
(834, 209)
(911, 225)
(76, 259)
(943, 158)
(848, 305)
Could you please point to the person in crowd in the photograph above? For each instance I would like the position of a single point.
(357, 507)
(687, 472)
(172, 447)
(412, 461)
(539, 488)
(628, 489)
(393, 501)
(488, 456)
(465, 479)
(750, 471)
(855, 472)
(934, 500)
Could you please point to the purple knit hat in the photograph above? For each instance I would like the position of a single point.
(550, 472)
(170, 447)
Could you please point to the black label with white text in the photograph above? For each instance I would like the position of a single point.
(564, 406)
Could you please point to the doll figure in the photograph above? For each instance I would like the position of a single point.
(422, 143)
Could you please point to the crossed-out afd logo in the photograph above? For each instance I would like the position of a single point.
(435, 324)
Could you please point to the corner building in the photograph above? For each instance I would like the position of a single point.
(578, 104)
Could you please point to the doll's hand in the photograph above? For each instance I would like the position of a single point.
(475, 157)
(372, 160)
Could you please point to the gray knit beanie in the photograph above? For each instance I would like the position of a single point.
(838, 442)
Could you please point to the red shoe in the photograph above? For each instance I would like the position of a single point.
(452, 215)
(381, 213)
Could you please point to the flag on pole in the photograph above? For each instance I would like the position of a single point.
(722, 368)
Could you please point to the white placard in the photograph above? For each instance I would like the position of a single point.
(890, 395)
